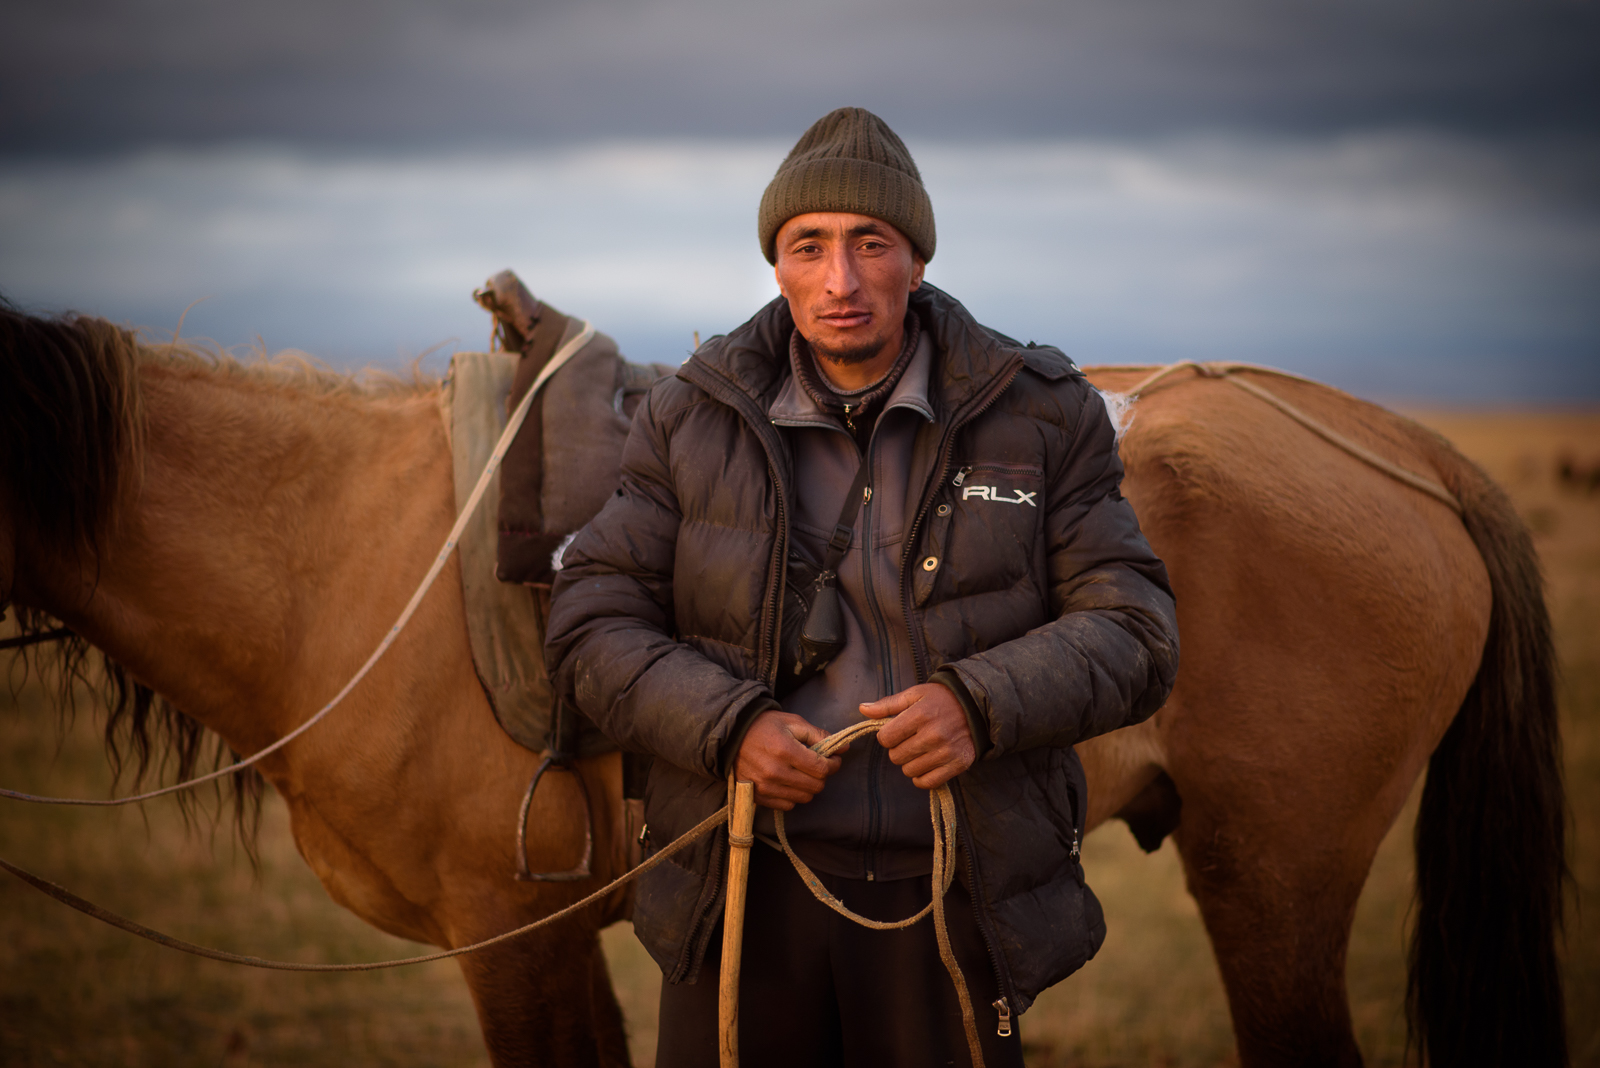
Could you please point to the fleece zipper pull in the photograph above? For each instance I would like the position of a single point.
(1003, 1007)
(961, 475)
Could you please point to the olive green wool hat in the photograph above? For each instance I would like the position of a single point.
(849, 161)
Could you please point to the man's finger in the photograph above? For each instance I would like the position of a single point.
(900, 729)
(784, 784)
(810, 762)
(920, 746)
(938, 777)
(781, 796)
(807, 734)
(798, 769)
(893, 704)
(915, 765)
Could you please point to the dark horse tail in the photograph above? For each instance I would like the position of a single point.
(1485, 982)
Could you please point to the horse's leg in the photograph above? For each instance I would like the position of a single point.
(1289, 785)
(1278, 904)
(546, 999)
(1275, 853)
(531, 1011)
(609, 1029)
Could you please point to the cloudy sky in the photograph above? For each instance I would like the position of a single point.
(1399, 197)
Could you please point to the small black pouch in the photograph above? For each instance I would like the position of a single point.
(799, 589)
(813, 616)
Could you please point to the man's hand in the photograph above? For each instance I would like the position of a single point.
(929, 738)
(776, 755)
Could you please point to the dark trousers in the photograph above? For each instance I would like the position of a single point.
(817, 990)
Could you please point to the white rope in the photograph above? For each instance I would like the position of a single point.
(561, 356)
(1228, 371)
(942, 811)
(89, 908)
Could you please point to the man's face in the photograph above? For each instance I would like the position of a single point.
(847, 278)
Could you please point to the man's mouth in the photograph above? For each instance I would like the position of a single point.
(846, 318)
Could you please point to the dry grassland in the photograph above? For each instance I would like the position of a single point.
(77, 993)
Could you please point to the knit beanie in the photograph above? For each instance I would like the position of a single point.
(849, 161)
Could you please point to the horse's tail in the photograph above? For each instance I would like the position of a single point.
(1485, 985)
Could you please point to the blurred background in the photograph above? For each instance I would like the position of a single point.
(1399, 198)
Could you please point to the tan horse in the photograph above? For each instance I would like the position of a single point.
(261, 529)
(1338, 628)
(239, 539)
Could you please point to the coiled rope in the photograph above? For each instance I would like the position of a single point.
(942, 812)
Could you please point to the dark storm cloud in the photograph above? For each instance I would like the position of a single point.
(96, 74)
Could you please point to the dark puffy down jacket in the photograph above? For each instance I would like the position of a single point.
(1059, 619)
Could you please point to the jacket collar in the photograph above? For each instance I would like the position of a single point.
(966, 357)
(795, 407)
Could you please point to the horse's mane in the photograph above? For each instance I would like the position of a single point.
(71, 452)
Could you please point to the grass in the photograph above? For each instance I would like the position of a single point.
(75, 992)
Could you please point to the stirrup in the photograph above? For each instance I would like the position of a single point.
(561, 762)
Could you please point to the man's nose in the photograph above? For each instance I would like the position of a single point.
(841, 279)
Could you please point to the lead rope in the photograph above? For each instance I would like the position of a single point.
(89, 908)
(942, 811)
(560, 357)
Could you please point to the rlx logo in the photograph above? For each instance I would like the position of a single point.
(992, 493)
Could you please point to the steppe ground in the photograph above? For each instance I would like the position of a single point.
(74, 992)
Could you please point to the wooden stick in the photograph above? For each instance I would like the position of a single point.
(741, 825)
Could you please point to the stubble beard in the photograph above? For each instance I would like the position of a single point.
(847, 355)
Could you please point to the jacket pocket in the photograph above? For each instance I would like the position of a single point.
(1069, 788)
(984, 531)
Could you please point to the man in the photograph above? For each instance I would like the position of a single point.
(957, 491)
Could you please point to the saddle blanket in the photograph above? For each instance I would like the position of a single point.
(583, 429)
(505, 622)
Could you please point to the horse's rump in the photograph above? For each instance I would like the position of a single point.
(1336, 621)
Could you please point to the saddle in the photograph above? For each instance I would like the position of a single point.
(559, 470)
(566, 459)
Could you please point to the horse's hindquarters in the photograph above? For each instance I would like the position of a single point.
(1332, 622)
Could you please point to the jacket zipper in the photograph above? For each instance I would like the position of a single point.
(767, 657)
(876, 756)
(975, 892)
(698, 931)
(736, 398)
(775, 580)
(919, 652)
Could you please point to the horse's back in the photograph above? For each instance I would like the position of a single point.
(1332, 617)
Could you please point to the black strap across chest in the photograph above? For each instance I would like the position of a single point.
(858, 495)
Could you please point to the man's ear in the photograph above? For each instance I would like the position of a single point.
(917, 267)
(777, 274)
